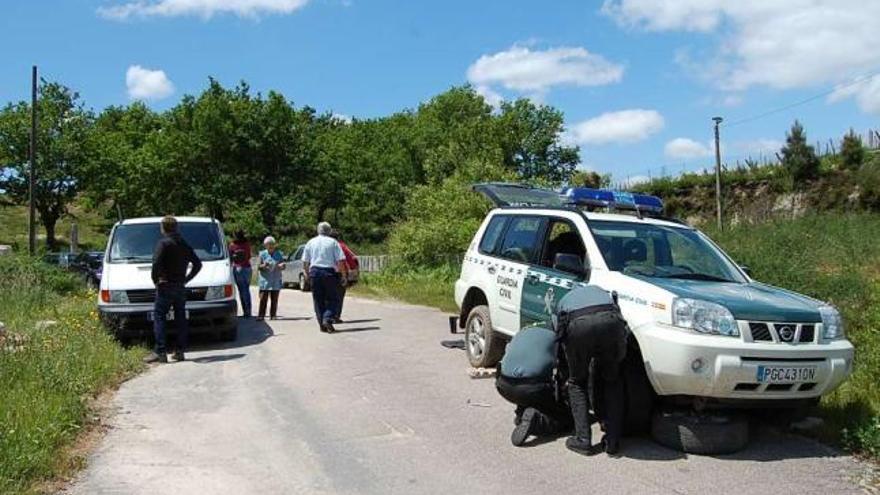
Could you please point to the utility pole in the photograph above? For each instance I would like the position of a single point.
(32, 169)
(718, 121)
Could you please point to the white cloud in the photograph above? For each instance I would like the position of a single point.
(525, 70)
(685, 149)
(147, 84)
(491, 96)
(343, 117)
(616, 127)
(865, 91)
(780, 44)
(202, 8)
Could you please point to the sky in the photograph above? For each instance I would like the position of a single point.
(637, 80)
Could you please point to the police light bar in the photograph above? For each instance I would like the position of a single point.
(604, 198)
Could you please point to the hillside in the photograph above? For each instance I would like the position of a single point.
(93, 228)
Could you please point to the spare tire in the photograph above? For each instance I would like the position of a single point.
(705, 433)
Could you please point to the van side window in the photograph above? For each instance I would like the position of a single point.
(522, 238)
(489, 243)
(562, 238)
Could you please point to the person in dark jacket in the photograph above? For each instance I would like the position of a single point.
(526, 379)
(171, 257)
(591, 329)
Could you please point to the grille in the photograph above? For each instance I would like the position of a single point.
(760, 332)
(149, 295)
(808, 333)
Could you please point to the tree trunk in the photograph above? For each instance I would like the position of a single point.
(49, 224)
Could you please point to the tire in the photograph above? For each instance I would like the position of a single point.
(483, 346)
(229, 334)
(705, 434)
(303, 283)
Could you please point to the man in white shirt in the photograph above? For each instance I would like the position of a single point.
(323, 263)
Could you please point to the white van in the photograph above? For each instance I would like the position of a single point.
(127, 293)
(703, 331)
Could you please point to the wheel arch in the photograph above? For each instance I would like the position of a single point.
(475, 296)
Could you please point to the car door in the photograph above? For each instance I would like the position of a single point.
(518, 248)
(545, 282)
(293, 268)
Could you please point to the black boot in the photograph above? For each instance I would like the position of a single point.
(525, 427)
(156, 358)
(580, 445)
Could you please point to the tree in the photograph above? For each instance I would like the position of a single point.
(63, 133)
(798, 158)
(530, 138)
(589, 178)
(852, 153)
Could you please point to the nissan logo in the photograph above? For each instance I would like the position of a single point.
(786, 333)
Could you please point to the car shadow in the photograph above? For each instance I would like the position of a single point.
(250, 332)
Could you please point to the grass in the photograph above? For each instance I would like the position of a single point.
(834, 258)
(49, 375)
(93, 229)
(415, 285)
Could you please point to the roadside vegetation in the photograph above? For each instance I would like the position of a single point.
(50, 371)
(426, 286)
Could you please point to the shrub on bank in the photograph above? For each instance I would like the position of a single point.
(48, 372)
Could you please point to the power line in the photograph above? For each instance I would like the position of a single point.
(857, 80)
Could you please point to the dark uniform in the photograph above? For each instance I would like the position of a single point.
(591, 328)
(171, 259)
(526, 378)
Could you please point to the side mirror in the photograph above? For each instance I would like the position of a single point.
(746, 269)
(570, 263)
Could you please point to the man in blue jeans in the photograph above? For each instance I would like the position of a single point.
(171, 258)
(324, 262)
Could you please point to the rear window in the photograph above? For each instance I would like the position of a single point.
(135, 243)
(493, 234)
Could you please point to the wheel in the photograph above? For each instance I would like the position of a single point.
(639, 394)
(229, 334)
(483, 346)
(707, 434)
(303, 283)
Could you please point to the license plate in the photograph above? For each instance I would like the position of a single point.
(786, 374)
(168, 316)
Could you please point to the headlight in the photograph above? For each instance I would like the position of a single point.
(703, 317)
(218, 292)
(832, 323)
(114, 296)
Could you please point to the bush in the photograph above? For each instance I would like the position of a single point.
(852, 153)
(49, 373)
(798, 158)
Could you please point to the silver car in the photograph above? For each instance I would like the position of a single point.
(293, 275)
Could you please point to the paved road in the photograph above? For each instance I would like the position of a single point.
(382, 407)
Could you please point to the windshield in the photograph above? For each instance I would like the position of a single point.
(134, 243)
(660, 251)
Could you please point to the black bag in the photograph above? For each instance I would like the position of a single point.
(238, 256)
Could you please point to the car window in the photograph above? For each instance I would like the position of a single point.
(562, 238)
(521, 239)
(661, 251)
(135, 243)
(493, 232)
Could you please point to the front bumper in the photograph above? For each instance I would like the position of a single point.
(133, 320)
(730, 365)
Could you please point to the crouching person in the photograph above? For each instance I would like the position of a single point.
(526, 378)
(591, 328)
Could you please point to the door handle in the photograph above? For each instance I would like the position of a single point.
(491, 269)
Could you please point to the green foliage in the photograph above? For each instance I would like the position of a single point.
(589, 178)
(868, 178)
(64, 128)
(834, 258)
(852, 152)
(530, 140)
(428, 286)
(49, 374)
(798, 158)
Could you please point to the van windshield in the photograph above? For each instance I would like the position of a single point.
(134, 243)
(661, 251)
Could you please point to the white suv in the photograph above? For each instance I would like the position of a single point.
(703, 331)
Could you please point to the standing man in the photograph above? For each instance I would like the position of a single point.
(171, 257)
(240, 251)
(590, 327)
(324, 262)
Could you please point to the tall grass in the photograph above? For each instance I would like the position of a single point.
(835, 258)
(48, 374)
(427, 286)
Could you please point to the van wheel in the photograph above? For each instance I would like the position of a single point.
(484, 348)
(303, 284)
(706, 434)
